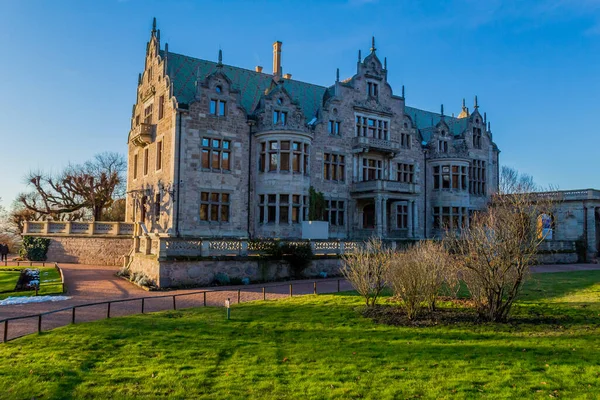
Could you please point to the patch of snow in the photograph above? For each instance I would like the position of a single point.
(9, 301)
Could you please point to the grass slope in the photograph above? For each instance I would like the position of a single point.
(49, 281)
(320, 347)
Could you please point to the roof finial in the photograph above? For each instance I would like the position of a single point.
(166, 49)
(476, 105)
(158, 34)
(139, 79)
(484, 118)
(337, 75)
(359, 56)
(402, 91)
(489, 126)
(220, 63)
(153, 25)
(385, 63)
(464, 104)
(373, 49)
(442, 110)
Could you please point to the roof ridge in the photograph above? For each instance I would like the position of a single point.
(245, 69)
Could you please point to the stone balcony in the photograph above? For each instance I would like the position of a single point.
(381, 185)
(363, 143)
(142, 134)
(86, 228)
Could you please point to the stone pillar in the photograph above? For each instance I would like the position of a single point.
(385, 217)
(378, 215)
(411, 204)
(591, 232)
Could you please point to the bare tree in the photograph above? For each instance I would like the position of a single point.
(366, 269)
(494, 254)
(92, 186)
(418, 275)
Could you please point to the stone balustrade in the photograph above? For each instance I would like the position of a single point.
(91, 228)
(165, 247)
(586, 194)
(384, 185)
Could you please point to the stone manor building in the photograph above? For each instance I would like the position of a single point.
(223, 151)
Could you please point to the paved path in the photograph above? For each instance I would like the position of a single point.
(89, 284)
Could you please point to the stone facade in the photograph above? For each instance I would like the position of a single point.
(202, 273)
(88, 250)
(221, 151)
(574, 222)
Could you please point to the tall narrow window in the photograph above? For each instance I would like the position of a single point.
(157, 207)
(279, 117)
(272, 209)
(263, 157)
(284, 208)
(477, 138)
(285, 156)
(296, 154)
(161, 107)
(135, 166)
(335, 212)
(405, 140)
(159, 154)
(334, 168)
(402, 216)
(148, 114)
(145, 161)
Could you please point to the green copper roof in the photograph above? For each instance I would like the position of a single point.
(427, 120)
(184, 70)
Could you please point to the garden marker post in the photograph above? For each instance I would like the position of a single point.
(142, 305)
(204, 298)
(315, 287)
(108, 310)
(239, 295)
(264, 293)
(174, 304)
(5, 331)
(227, 306)
(338, 283)
(40, 323)
(291, 290)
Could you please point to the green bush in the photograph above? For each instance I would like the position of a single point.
(221, 279)
(34, 248)
(298, 255)
(581, 249)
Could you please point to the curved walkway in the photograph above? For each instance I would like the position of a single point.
(89, 284)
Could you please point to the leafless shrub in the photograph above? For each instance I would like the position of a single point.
(366, 269)
(418, 275)
(494, 254)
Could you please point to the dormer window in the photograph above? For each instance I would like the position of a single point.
(280, 101)
(279, 117)
(372, 89)
(219, 89)
(477, 138)
(217, 107)
(442, 146)
(334, 128)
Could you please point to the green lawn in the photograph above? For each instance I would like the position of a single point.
(320, 347)
(49, 281)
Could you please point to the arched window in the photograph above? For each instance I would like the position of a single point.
(545, 226)
(218, 89)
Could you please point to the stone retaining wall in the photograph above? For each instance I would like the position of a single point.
(201, 273)
(88, 250)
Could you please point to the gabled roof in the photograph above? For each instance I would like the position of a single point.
(252, 85)
(427, 120)
(184, 71)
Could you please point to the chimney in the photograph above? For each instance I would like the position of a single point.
(258, 68)
(277, 59)
(287, 76)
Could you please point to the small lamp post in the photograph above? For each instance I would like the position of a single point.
(227, 306)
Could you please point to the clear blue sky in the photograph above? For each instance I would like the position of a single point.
(69, 68)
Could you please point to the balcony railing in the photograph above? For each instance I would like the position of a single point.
(368, 143)
(381, 185)
(62, 228)
(141, 135)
